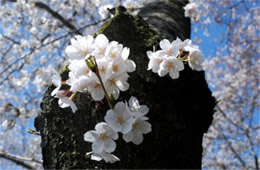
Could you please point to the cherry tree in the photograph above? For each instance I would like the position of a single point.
(233, 72)
(33, 37)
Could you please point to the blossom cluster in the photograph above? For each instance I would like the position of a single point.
(126, 118)
(95, 63)
(191, 10)
(169, 58)
(101, 68)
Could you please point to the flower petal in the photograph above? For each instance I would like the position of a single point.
(111, 119)
(164, 44)
(98, 146)
(90, 136)
(137, 137)
(144, 127)
(130, 64)
(96, 157)
(162, 72)
(128, 136)
(109, 146)
(125, 53)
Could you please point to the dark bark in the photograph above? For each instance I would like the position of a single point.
(167, 17)
(180, 110)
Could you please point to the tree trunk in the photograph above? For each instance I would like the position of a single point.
(180, 110)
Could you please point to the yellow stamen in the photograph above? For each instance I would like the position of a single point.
(170, 65)
(134, 126)
(84, 51)
(102, 70)
(102, 136)
(113, 54)
(169, 52)
(98, 85)
(120, 120)
(112, 82)
(115, 68)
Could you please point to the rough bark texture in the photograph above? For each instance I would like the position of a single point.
(180, 110)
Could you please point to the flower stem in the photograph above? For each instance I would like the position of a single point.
(102, 84)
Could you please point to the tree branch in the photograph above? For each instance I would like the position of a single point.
(57, 16)
(231, 147)
(19, 160)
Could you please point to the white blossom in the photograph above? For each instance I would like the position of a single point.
(113, 50)
(8, 124)
(102, 138)
(172, 66)
(80, 48)
(170, 49)
(103, 10)
(107, 157)
(113, 65)
(56, 80)
(79, 76)
(95, 89)
(67, 102)
(195, 58)
(136, 109)
(101, 43)
(117, 82)
(139, 127)
(119, 118)
(155, 60)
(191, 11)
(167, 60)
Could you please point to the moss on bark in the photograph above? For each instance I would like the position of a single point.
(180, 112)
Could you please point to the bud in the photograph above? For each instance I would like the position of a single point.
(91, 64)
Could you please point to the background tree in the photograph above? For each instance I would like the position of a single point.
(32, 44)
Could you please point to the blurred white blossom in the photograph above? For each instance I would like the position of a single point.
(8, 124)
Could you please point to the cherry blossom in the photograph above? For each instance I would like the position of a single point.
(171, 66)
(111, 59)
(102, 138)
(127, 118)
(103, 10)
(101, 43)
(155, 60)
(119, 119)
(139, 127)
(67, 102)
(8, 124)
(136, 109)
(191, 11)
(195, 58)
(56, 80)
(80, 47)
(170, 49)
(168, 59)
(63, 101)
(107, 157)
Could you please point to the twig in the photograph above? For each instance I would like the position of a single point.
(19, 160)
(56, 15)
(101, 82)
